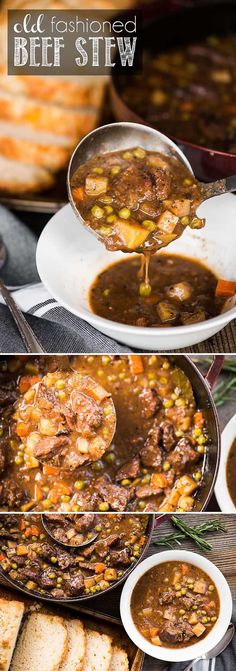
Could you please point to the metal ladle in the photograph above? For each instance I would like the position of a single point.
(126, 134)
(218, 649)
(67, 545)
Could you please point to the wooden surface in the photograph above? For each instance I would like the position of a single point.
(222, 342)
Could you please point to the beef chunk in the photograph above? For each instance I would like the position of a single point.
(89, 414)
(86, 499)
(168, 435)
(161, 179)
(31, 572)
(129, 470)
(45, 550)
(182, 455)
(144, 491)
(167, 597)
(12, 496)
(193, 600)
(51, 448)
(64, 559)
(120, 557)
(150, 402)
(132, 186)
(75, 584)
(116, 496)
(151, 454)
(101, 546)
(176, 632)
(58, 593)
(45, 581)
(84, 522)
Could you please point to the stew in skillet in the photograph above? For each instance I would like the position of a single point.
(231, 471)
(136, 199)
(155, 461)
(189, 92)
(30, 557)
(175, 604)
(180, 291)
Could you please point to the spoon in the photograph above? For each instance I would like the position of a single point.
(77, 546)
(220, 647)
(126, 134)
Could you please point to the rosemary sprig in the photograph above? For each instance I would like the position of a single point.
(225, 389)
(195, 533)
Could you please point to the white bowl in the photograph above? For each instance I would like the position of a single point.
(221, 488)
(69, 257)
(191, 651)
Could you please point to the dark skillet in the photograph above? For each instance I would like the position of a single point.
(152, 522)
(173, 23)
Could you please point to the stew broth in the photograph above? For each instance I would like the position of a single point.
(182, 292)
(175, 604)
(231, 472)
(155, 461)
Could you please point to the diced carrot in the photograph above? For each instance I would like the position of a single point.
(153, 631)
(22, 525)
(159, 480)
(50, 470)
(198, 419)
(225, 288)
(78, 193)
(184, 568)
(59, 489)
(22, 429)
(26, 381)
(32, 531)
(164, 391)
(100, 567)
(38, 493)
(136, 364)
(209, 606)
(2, 557)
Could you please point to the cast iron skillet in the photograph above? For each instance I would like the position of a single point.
(169, 24)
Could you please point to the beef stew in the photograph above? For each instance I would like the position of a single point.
(70, 529)
(189, 92)
(136, 199)
(155, 462)
(231, 471)
(30, 557)
(181, 291)
(175, 604)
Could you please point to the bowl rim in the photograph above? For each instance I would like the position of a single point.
(100, 322)
(222, 494)
(191, 651)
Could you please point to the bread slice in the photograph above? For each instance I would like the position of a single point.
(49, 150)
(42, 645)
(17, 177)
(98, 652)
(76, 646)
(119, 660)
(11, 613)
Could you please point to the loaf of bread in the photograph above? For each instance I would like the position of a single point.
(42, 645)
(11, 613)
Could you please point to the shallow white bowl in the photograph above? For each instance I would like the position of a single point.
(221, 489)
(69, 258)
(191, 651)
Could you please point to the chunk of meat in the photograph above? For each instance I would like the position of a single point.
(12, 496)
(84, 522)
(144, 491)
(161, 180)
(182, 455)
(89, 414)
(132, 186)
(46, 581)
(115, 495)
(2, 459)
(167, 597)
(101, 546)
(120, 557)
(58, 593)
(168, 435)
(151, 454)
(31, 572)
(64, 559)
(86, 500)
(129, 470)
(150, 402)
(176, 632)
(75, 584)
(51, 447)
(191, 599)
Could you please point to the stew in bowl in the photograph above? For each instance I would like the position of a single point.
(176, 605)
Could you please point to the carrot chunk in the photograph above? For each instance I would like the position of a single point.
(226, 289)
(136, 364)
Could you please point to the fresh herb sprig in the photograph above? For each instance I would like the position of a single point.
(196, 533)
(225, 390)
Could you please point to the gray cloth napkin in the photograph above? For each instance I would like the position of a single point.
(225, 662)
(58, 330)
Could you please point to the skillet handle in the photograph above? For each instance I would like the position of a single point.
(160, 518)
(214, 370)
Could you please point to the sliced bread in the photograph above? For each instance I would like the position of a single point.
(98, 651)
(49, 150)
(11, 613)
(42, 644)
(119, 660)
(17, 177)
(76, 646)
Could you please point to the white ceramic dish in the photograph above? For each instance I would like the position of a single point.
(191, 651)
(69, 257)
(221, 489)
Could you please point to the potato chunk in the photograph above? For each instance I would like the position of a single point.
(186, 485)
(181, 207)
(198, 629)
(96, 184)
(181, 290)
(200, 587)
(167, 222)
(131, 235)
(166, 312)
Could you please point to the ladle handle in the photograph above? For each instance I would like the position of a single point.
(226, 185)
(188, 668)
(214, 370)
